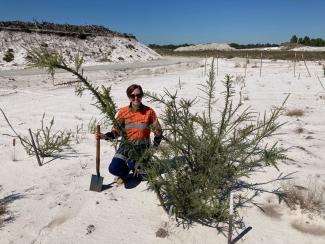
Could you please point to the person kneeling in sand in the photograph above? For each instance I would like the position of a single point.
(136, 119)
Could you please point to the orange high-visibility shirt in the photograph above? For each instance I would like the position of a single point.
(137, 124)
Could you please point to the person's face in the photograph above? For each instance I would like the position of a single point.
(136, 97)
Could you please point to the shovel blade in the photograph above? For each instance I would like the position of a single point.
(96, 183)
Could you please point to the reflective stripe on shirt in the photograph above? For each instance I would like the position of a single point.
(136, 126)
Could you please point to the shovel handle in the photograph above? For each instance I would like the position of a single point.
(97, 151)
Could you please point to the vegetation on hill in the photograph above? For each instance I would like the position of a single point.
(168, 46)
(257, 45)
(81, 31)
(307, 41)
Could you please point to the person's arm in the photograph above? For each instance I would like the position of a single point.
(107, 136)
(110, 135)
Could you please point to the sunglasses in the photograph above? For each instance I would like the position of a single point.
(133, 96)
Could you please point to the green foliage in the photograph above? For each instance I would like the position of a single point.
(316, 42)
(294, 39)
(52, 60)
(257, 45)
(204, 160)
(43, 58)
(168, 46)
(48, 142)
(9, 55)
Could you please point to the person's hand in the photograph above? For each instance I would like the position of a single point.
(100, 136)
(107, 136)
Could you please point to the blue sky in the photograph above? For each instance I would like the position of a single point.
(182, 21)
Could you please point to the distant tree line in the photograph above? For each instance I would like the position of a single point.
(234, 45)
(168, 46)
(257, 45)
(48, 27)
(316, 42)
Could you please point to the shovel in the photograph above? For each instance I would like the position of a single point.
(96, 180)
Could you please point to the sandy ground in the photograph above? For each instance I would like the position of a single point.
(53, 204)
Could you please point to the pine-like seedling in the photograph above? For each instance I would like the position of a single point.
(47, 141)
(204, 160)
(51, 60)
(201, 160)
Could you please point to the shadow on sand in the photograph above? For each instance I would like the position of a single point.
(5, 215)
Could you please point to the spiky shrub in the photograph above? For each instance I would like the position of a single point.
(52, 60)
(47, 141)
(9, 55)
(205, 160)
(202, 161)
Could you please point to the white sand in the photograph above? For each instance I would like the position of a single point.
(99, 49)
(209, 46)
(309, 49)
(53, 203)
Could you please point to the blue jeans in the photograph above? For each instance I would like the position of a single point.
(122, 163)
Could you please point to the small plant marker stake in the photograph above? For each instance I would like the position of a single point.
(205, 66)
(261, 64)
(217, 65)
(294, 65)
(179, 83)
(302, 55)
(231, 212)
(320, 82)
(35, 149)
(246, 64)
(14, 146)
(170, 214)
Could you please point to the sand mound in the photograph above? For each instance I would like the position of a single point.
(210, 46)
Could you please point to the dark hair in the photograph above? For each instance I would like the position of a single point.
(131, 88)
